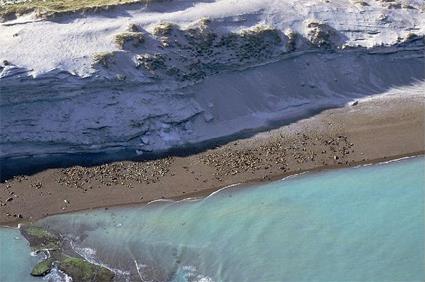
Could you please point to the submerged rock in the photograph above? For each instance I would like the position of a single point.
(39, 238)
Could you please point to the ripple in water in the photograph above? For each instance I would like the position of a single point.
(357, 224)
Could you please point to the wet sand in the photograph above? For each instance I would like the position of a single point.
(374, 130)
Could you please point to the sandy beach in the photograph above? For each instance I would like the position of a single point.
(372, 130)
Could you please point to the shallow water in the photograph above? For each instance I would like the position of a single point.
(357, 224)
(16, 261)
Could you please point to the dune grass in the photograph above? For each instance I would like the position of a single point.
(136, 38)
(50, 7)
(103, 58)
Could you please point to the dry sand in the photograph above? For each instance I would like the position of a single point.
(374, 130)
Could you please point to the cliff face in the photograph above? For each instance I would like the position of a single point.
(173, 74)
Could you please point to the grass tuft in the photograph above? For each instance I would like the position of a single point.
(136, 38)
(164, 29)
(103, 58)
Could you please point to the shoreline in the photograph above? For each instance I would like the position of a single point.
(200, 195)
(368, 133)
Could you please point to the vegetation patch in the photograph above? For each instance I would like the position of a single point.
(255, 44)
(104, 59)
(164, 29)
(52, 7)
(135, 38)
(322, 35)
(151, 62)
(198, 50)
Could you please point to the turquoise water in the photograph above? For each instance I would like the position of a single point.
(16, 261)
(357, 224)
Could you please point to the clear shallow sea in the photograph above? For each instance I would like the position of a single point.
(356, 224)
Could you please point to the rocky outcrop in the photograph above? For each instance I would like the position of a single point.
(81, 270)
(43, 268)
(61, 257)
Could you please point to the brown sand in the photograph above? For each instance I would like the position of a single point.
(372, 131)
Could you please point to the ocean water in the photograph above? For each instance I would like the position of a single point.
(355, 224)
